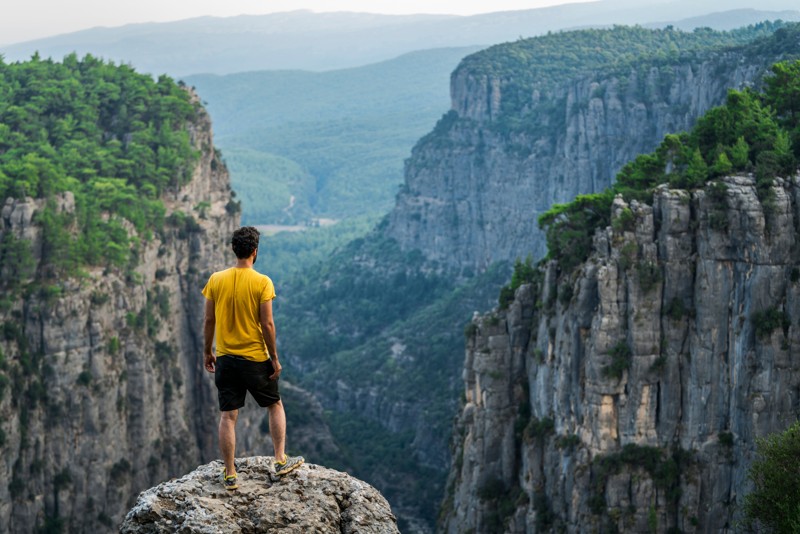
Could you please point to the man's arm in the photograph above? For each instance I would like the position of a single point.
(209, 324)
(268, 331)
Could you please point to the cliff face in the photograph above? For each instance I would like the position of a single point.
(105, 394)
(311, 499)
(628, 395)
(476, 186)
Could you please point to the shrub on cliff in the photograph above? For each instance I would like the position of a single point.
(757, 132)
(774, 503)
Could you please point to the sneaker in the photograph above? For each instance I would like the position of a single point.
(230, 482)
(289, 464)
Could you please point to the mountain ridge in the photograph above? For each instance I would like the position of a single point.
(339, 48)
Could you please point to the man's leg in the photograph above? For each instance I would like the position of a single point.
(277, 428)
(227, 439)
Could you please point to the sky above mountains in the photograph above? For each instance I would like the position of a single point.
(34, 19)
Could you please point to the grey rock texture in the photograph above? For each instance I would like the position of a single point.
(549, 438)
(474, 189)
(310, 499)
(97, 409)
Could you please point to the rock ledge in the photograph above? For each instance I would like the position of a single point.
(311, 499)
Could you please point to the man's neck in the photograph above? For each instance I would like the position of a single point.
(246, 263)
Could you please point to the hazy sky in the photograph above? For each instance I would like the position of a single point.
(23, 20)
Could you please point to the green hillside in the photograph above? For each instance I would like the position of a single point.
(335, 140)
(541, 64)
(113, 138)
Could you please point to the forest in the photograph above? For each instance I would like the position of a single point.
(112, 138)
(539, 66)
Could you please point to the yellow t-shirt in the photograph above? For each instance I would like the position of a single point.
(237, 295)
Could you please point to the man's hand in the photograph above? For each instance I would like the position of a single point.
(210, 362)
(276, 365)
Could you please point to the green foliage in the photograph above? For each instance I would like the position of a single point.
(16, 262)
(676, 309)
(727, 138)
(538, 65)
(62, 480)
(163, 350)
(568, 442)
(491, 488)
(470, 330)
(524, 273)
(726, 439)
(649, 275)
(696, 171)
(113, 138)
(98, 298)
(659, 364)
(774, 503)
(503, 502)
(627, 255)
(538, 429)
(664, 470)
(567, 227)
(740, 154)
(766, 321)
(52, 525)
(84, 378)
(652, 519)
(621, 355)
(544, 513)
(4, 381)
(625, 221)
(718, 214)
(120, 470)
(723, 165)
(565, 292)
(782, 91)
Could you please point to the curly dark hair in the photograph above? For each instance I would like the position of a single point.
(244, 241)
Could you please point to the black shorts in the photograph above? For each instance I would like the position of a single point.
(235, 376)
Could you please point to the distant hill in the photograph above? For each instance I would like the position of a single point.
(327, 41)
(728, 20)
(334, 141)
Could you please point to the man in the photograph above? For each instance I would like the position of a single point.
(239, 311)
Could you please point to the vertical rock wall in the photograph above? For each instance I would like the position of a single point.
(106, 395)
(628, 395)
(475, 187)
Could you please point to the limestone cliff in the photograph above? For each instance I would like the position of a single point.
(628, 394)
(505, 153)
(105, 394)
(311, 499)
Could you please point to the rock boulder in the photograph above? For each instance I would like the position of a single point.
(310, 499)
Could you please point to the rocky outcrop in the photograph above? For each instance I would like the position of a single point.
(477, 184)
(310, 499)
(628, 394)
